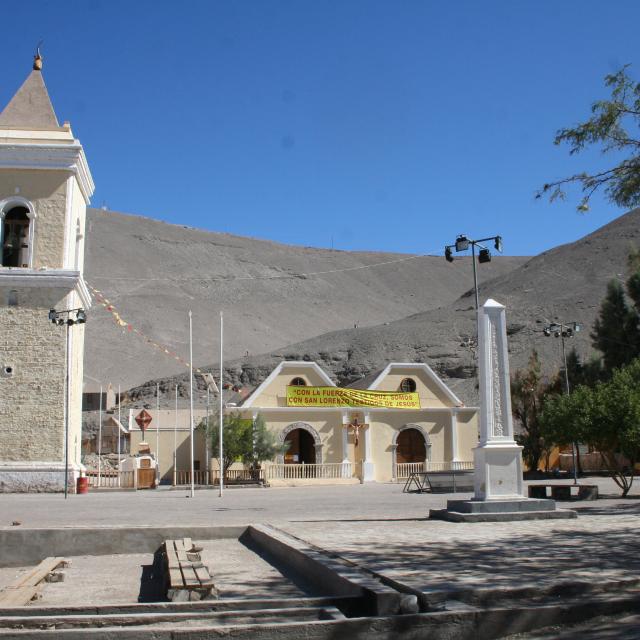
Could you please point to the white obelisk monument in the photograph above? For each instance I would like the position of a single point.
(498, 458)
(498, 485)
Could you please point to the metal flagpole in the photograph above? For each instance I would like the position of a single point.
(175, 441)
(119, 434)
(100, 440)
(221, 484)
(191, 397)
(206, 442)
(158, 432)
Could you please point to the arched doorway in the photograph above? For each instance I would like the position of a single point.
(411, 446)
(301, 447)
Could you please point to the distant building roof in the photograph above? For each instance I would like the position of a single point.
(31, 106)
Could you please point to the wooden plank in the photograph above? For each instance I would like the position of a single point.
(187, 544)
(202, 573)
(189, 575)
(172, 558)
(38, 573)
(175, 578)
(19, 596)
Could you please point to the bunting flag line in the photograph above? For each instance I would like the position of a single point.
(108, 306)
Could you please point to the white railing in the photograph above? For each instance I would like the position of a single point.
(111, 479)
(213, 477)
(332, 470)
(405, 469)
(458, 465)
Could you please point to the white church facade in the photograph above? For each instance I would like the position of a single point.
(336, 443)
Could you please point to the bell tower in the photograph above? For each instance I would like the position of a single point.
(45, 186)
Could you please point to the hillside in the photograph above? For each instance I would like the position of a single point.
(566, 284)
(153, 273)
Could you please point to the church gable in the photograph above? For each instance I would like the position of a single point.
(416, 377)
(273, 391)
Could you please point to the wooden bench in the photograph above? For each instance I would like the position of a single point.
(28, 586)
(563, 492)
(187, 578)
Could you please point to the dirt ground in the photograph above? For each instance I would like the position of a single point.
(137, 577)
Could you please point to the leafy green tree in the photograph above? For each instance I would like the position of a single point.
(528, 389)
(607, 128)
(606, 416)
(244, 440)
(237, 439)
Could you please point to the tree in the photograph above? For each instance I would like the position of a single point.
(608, 129)
(615, 331)
(237, 439)
(606, 416)
(265, 443)
(528, 389)
(244, 440)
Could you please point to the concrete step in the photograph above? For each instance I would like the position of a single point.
(58, 623)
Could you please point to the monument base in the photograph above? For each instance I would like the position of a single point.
(500, 510)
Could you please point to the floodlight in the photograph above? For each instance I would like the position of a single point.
(577, 327)
(52, 315)
(447, 254)
(546, 331)
(498, 243)
(462, 243)
(81, 316)
(484, 256)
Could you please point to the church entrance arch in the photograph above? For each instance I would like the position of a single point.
(410, 444)
(304, 445)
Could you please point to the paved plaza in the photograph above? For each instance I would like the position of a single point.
(376, 527)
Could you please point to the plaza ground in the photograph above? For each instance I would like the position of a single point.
(373, 526)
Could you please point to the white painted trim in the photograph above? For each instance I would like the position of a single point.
(249, 402)
(419, 366)
(66, 279)
(60, 157)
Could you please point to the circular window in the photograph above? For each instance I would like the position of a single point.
(298, 382)
(408, 385)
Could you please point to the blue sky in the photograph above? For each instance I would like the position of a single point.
(388, 125)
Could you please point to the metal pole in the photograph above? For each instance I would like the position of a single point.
(191, 397)
(100, 440)
(566, 381)
(175, 441)
(206, 440)
(475, 275)
(158, 433)
(221, 484)
(119, 434)
(67, 405)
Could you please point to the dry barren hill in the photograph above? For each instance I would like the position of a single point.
(153, 273)
(566, 283)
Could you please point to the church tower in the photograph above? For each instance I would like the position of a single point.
(45, 186)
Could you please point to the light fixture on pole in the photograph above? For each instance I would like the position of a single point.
(462, 243)
(564, 330)
(67, 317)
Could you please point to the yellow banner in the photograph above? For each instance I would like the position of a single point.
(341, 397)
